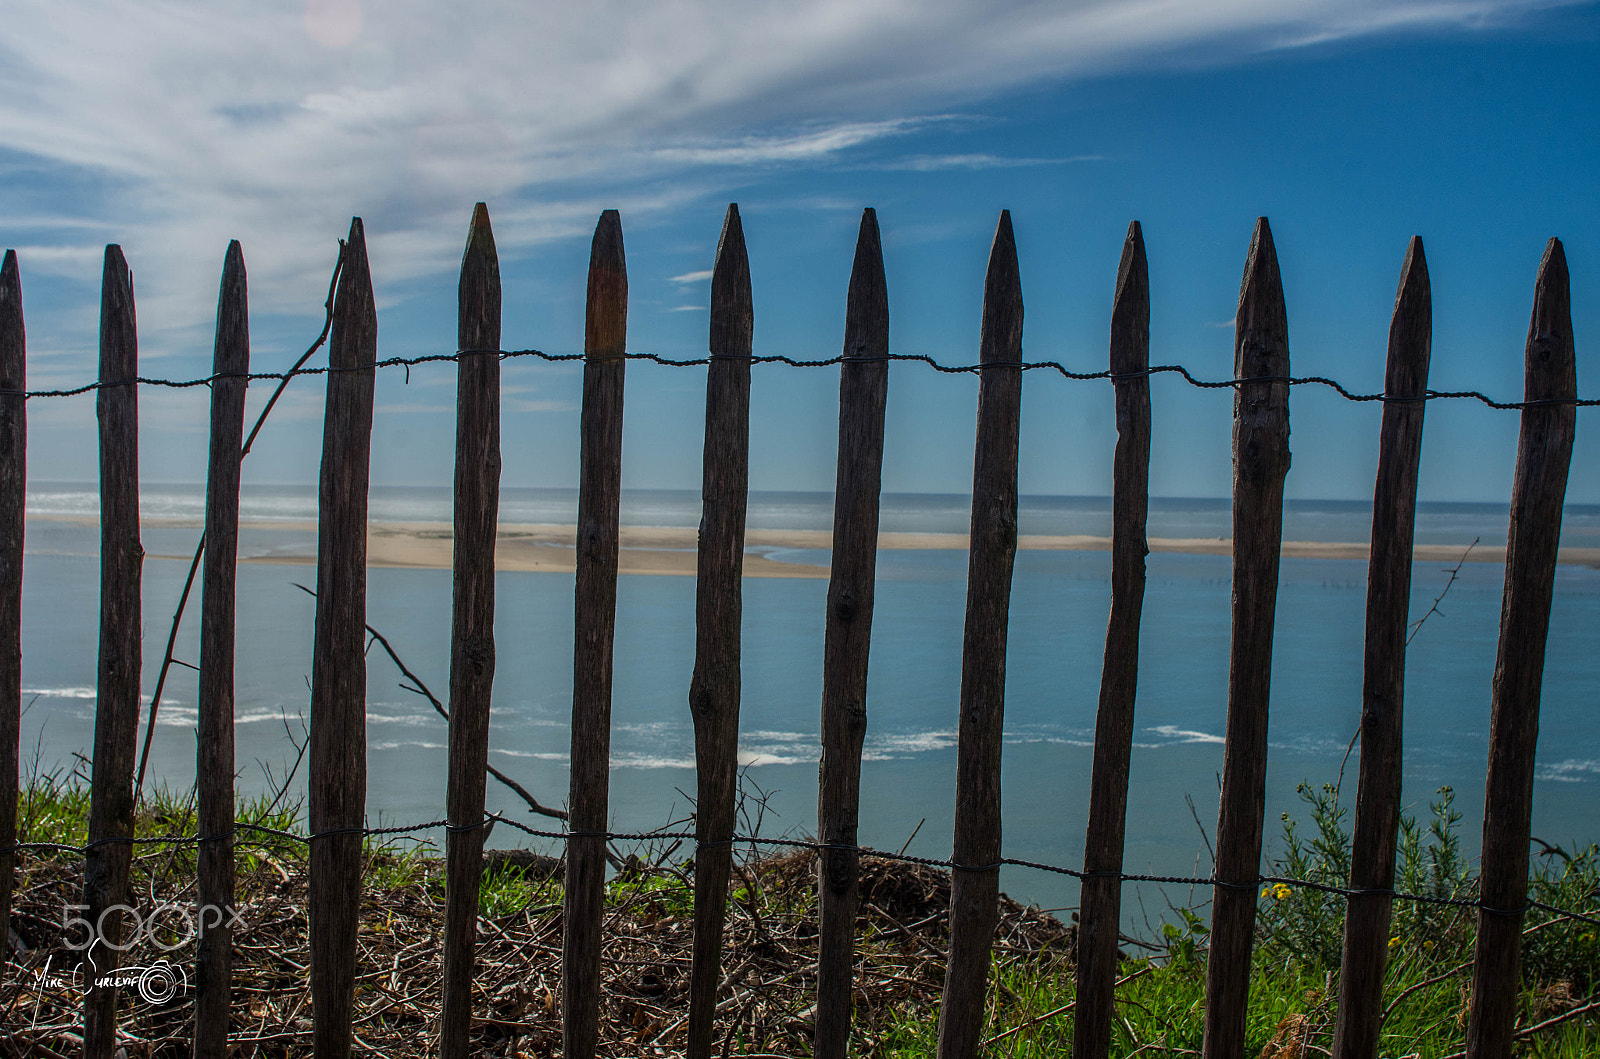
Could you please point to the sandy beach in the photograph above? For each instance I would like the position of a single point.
(670, 550)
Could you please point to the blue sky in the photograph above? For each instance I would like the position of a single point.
(171, 128)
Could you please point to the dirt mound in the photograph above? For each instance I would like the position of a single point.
(769, 958)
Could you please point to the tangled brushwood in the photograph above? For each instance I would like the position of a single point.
(769, 956)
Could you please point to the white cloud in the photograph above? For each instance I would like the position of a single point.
(928, 163)
(809, 146)
(692, 277)
(273, 122)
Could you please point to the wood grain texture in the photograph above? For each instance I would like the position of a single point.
(863, 396)
(1544, 454)
(214, 763)
(116, 715)
(1260, 463)
(974, 890)
(714, 687)
(13, 481)
(594, 621)
(1100, 913)
(1394, 509)
(472, 641)
(338, 661)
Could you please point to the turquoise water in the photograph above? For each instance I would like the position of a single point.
(1058, 614)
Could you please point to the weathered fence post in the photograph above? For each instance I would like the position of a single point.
(1100, 913)
(472, 655)
(975, 883)
(13, 474)
(214, 763)
(595, 619)
(116, 713)
(714, 687)
(338, 662)
(863, 394)
(1544, 452)
(1394, 510)
(1260, 463)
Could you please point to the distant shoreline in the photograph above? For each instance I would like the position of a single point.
(670, 550)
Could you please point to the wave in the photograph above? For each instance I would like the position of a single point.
(548, 755)
(1174, 734)
(1568, 771)
(61, 693)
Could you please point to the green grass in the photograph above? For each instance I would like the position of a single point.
(1294, 980)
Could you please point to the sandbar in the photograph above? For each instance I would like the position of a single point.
(671, 550)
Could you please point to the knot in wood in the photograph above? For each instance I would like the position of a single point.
(702, 704)
(853, 714)
(593, 543)
(845, 606)
(478, 652)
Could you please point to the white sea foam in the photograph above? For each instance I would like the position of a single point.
(410, 720)
(894, 745)
(650, 761)
(540, 756)
(1183, 735)
(1568, 771)
(260, 714)
(756, 759)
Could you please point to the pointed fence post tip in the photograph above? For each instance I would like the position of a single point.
(606, 250)
(480, 238)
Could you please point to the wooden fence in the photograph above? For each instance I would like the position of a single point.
(338, 739)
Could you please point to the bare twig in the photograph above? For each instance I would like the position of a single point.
(421, 688)
(1203, 836)
(200, 546)
(1572, 1013)
(1416, 626)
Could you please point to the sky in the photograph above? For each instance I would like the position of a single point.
(170, 128)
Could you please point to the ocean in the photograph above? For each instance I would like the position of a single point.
(1059, 606)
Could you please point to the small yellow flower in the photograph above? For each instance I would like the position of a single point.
(1428, 944)
(1266, 893)
(1281, 891)
(1394, 943)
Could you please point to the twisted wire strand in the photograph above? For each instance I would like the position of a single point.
(490, 819)
(778, 358)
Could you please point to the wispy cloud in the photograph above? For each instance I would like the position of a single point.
(274, 123)
(693, 277)
(806, 147)
(928, 163)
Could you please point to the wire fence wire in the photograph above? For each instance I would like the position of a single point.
(778, 358)
(490, 819)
